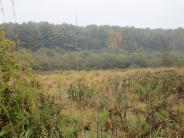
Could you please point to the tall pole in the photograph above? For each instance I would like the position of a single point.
(76, 18)
(2, 11)
(77, 43)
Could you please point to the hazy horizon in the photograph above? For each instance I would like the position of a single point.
(140, 14)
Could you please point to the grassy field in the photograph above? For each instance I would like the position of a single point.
(118, 103)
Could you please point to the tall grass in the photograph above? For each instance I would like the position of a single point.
(132, 103)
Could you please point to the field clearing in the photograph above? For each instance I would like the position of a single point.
(112, 103)
(52, 80)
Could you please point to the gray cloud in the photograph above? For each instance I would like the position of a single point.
(138, 13)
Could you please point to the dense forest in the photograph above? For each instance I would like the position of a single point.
(67, 37)
(98, 47)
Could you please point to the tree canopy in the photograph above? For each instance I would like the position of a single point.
(34, 36)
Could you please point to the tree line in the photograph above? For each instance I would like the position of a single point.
(114, 46)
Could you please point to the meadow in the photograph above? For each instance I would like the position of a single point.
(126, 103)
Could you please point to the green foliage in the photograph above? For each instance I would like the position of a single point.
(98, 47)
(14, 92)
(20, 113)
(86, 60)
(66, 37)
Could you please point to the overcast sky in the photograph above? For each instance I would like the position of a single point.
(137, 13)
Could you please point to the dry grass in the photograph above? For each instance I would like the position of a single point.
(57, 82)
(128, 94)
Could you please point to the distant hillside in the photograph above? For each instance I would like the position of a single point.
(34, 36)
